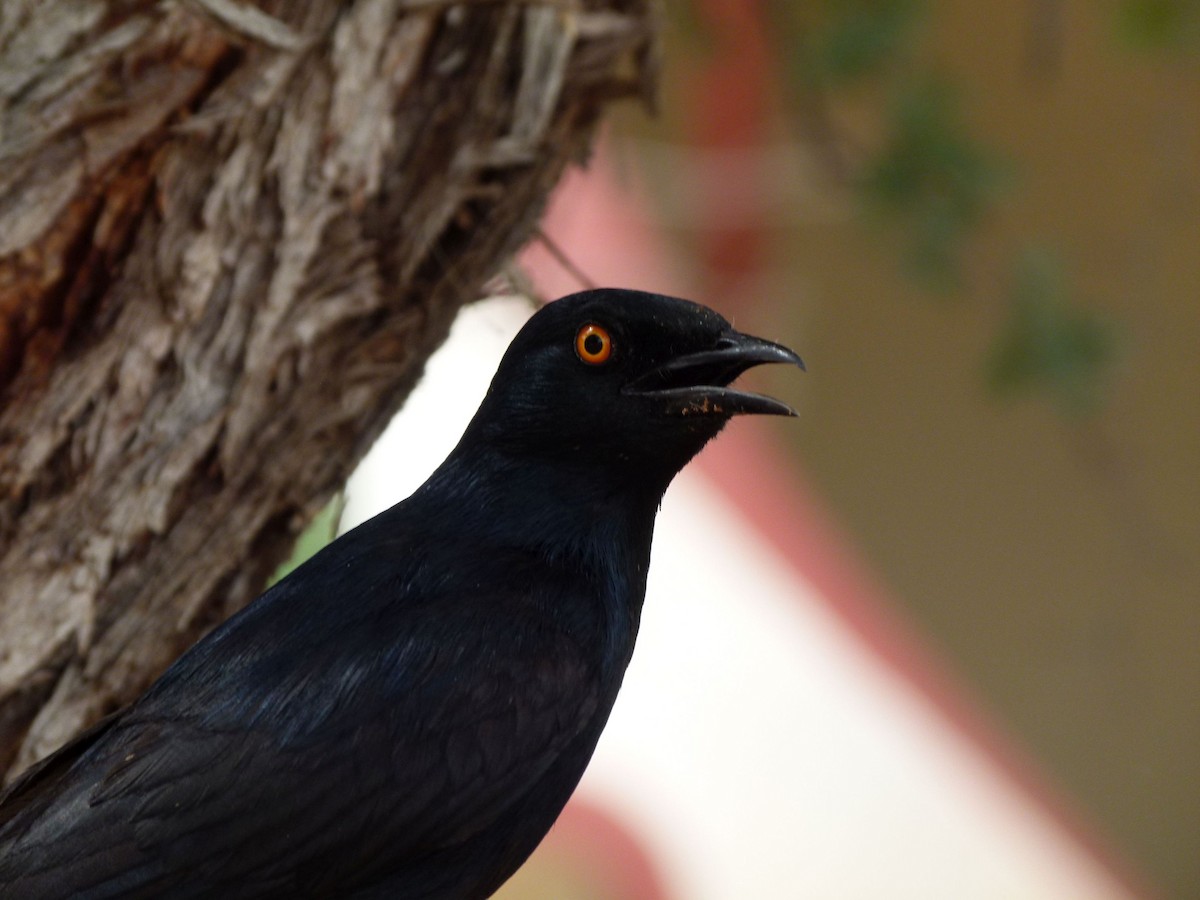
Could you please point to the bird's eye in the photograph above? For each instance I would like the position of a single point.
(593, 344)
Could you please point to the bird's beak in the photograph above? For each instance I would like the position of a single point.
(697, 384)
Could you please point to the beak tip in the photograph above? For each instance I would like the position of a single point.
(791, 356)
(777, 352)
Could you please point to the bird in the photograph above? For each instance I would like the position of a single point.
(406, 714)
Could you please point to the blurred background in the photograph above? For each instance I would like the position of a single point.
(980, 225)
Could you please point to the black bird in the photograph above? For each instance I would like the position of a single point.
(406, 714)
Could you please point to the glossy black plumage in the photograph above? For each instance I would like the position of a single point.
(407, 713)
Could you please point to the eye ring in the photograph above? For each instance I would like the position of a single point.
(593, 344)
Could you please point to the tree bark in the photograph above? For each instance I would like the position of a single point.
(230, 236)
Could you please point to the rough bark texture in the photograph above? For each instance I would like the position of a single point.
(230, 235)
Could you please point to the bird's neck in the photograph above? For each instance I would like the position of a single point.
(567, 508)
(573, 517)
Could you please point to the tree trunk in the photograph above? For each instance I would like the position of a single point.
(230, 235)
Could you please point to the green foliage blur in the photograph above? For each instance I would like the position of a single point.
(855, 40)
(320, 531)
(931, 180)
(1049, 346)
(930, 184)
(1157, 25)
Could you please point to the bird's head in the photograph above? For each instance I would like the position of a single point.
(623, 381)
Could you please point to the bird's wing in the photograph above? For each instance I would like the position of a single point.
(27, 787)
(347, 752)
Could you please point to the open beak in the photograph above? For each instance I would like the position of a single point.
(697, 384)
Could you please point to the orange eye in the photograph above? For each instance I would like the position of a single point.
(593, 344)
